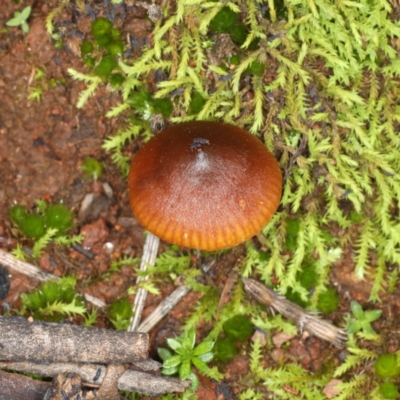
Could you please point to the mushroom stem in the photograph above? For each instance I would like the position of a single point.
(150, 250)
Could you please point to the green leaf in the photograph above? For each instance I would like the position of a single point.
(25, 13)
(207, 357)
(354, 327)
(192, 337)
(164, 354)
(372, 315)
(199, 364)
(185, 370)
(172, 361)
(174, 343)
(356, 309)
(170, 371)
(195, 381)
(203, 348)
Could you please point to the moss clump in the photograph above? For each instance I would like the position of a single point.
(386, 366)
(224, 20)
(101, 27)
(120, 313)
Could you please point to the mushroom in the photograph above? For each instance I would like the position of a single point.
(204, 185)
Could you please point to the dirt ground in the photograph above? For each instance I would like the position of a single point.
(42, 146)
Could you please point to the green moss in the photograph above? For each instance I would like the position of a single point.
(328, 301)
(101, 27)
(32, 226)
(225, 349)
(91, 166)
(86, 47)
(115, 47)
(386, 366)
(196, 104)
(389, 390)
(239, 34)
(224, 20)
(105, 67)
(116, 80)
(120, 313)
(53, 300)
(59, 217)
(238, 328)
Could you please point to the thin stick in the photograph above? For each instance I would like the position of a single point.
(169, 303)
(132, 380)
(304, 320)
(149, 256)
(22, 267)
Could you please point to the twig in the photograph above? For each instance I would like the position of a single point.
(22, 267)
(150, 251)
(93, 374)
(40, 341)
(303, 319)
(168, 304)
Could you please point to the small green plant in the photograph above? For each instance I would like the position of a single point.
(224, 20)
(48, 222)
(92, 168)
(328, 301)
(237, 329)
(53, 300)
(386, 366)
(188, 355)
(35, 93)
(389, 390)
(145, 105)
(225, 349)
(20, 19)
(34, 225)
(120, 313)
(363, 319)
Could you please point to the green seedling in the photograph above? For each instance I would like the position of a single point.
(187, 355)
(92, 168)
(20, 19)
(363, 319)
(386, 366)
(225, 349)
(54, 300)
(34, 225)
(58, 216)
(35, 93)
(389, 390)
(120, 313)
(238, 328)
(49, 222)
(328, 301)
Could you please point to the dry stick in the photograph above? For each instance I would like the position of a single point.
(38, 341)
(168, 304)
(93, 374)
(304, 320)
(22, 267)
(150, 251)
(18, 387)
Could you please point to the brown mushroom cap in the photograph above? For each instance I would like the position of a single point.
(204, 185)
